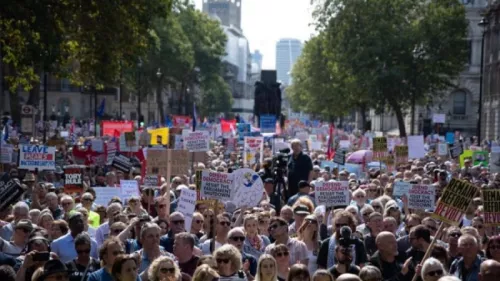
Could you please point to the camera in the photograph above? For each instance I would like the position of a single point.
(280, 161)
(346, 240)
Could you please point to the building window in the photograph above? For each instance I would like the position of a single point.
(459, 103)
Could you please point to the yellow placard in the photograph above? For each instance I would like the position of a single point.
(159, 136)
(466, 155)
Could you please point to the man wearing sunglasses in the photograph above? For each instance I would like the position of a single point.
(278, 228)
(83, 265)
(236, 237)
(176, 226)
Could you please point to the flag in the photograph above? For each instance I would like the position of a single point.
(329, 152)
(168, 122)
(102, 106)
(195, 116)
(227, 126)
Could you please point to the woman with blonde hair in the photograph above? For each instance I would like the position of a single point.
(309, 234)
(267, 269)
(228, 259)
(281, 254)
(45, 220)
(254, 243)
(164, 269)
(205, 273)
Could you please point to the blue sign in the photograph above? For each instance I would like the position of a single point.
(267, 123)
(243, 130)
(450, 138)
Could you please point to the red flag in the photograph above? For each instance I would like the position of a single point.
(116, 134)
(227, 126)
(330, 153)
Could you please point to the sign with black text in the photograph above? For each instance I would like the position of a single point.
(454, 201)
(339, 157)
(122, 163)
(73, 182)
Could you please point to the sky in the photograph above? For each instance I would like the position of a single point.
(265, 22)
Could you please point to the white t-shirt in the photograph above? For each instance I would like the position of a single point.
(205, 247)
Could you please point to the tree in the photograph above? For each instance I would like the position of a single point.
(401, 52)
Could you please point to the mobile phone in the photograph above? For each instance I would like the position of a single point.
(41, 256)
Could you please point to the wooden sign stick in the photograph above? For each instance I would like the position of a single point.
(169, 172)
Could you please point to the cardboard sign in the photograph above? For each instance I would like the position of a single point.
(179, 162)
(495, 159)
(122, 163)
(157, 162)
(491, 203)
(73, 181)
(97, 145)
(380, 144)
(421, 197)
(10, 192)
(159, 136)
(196, 141)
(267, 123)
(331, 194)
(151, 180)
(144, 138)
(416, 148)
(480, 158)
(109, 127)
(339, 157)
(33, 157)
(454, 201)
(186, 206)
(104, 194)
(442, 149)
(6, 153)
(215, 185)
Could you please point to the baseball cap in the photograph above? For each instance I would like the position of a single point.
(301, 210)
(303, 184)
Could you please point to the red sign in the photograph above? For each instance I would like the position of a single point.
(109, 127)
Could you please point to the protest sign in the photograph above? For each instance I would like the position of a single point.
(159, 136)
(178, 142)
(104, 194)
(110, 127)
(380, 144)
(331, 194)
(339, 157)
(130, 145)
(454, 201)
(243, 130)
(480, 158)
(216, 185)
(97, 145)
(416, 149)
(39, 157)
(129, 188)
(267, 123)
(179, 162)
(466, 155)
(438, 118)
(421, 197)
(6, 153)
(151, 180)
(247, 188)
(110, 148)
(122, 163)
(186, 206)
(491, 205)
(157, 162)
(456, 150)
(401, 151)
(10, 192)
(442, 149)
(196, 141)
(450, 138)
(73, 181)
(253, 150)
(494, 162)
(144, 138)
(401, 188)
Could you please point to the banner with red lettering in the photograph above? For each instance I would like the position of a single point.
(332, 194)
(491, 203)
(41, 157)
(113, 128)
(421, 197)
(215, 185)
(254, 150)
(454, 201)
(181, 121)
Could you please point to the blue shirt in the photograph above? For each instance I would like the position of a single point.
(146, 262)
(64, 247)
(103, 275)
(457, 266)
(167, 242)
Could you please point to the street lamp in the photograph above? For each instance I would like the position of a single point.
(483, 23)
(448, 118)
(158, 93)
(139, 65)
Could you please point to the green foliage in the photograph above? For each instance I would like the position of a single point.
(389, 52)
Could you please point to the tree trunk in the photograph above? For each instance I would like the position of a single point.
(159, 101)
(362, 112)
(15, 111)
(34, 94)
(400, 118)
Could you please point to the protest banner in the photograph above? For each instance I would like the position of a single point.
(331, 194)
(103, 195)
(73, 181)
(454, 201)
(151, 180)
(39, 157)
(122, 163)
(466, 155)
(480, 158)
(144, 138)
(401, 151)
(442, 149)
(380, 144)
(491, 205)
(456, 150)
(196, 141)
(6, 153)
(179, 162)
(215, 185)
(494, 162)
(129, 188)
(97, 145)
(416, 148)
(339, 157)
(110, 127)
(131, 144)
(243, 130)
(111, 149)
(421, 197)
(253, 150)
(267, 123)
(186, 206)
(401, 188)
(11, 191)
(159, 136)
(157, 162)
(247, 188)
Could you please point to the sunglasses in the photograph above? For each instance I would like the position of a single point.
(312, 221)
(178, 222)
(456, 235)
(433, 273)
(167, 270)
(162, 206)
(198, 221)
(226, 261)
(237, 238)
(117, 231)
(225, 223)
(87, 199)
(86, 251)
(282, 254)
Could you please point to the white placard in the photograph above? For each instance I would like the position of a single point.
(416, 149)
(302, 136)
(178, 142)
(401, 188)
(344, 144)
(442, 149)
(438, 118)
(332, 194)
(6, 154)
(104, 194)
(422, 197)
(254, 150)
(247, 189)
(64, 134)
(196, 141)
(186, 206)
(97, 145)
(216, 185)
(39, 157)
(129, 188)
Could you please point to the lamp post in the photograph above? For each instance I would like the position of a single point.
(483, 23)
(159, 75)
(448, 119)
(45, 120)
(139, 65)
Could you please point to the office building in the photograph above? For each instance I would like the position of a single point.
(228, 11)
(287, 52)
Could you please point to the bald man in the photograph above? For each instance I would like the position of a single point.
(385, 258)
(348, 277)
(490, 270)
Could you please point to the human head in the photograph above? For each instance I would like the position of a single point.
(489, 271)
(223, 224)
(228, 259)
(177, 222)
(83, 246)
(7, 273)
(287, 213)
(298, 272)
(53, 270)
(110, 249)
(370, 273)
(431, 224)
(387, 244)
(52, 201)
(67, 203)
(322, 275)
(150, 236)
(468, 246)
(419, 237)
(164, 268)
(197, 223)
(250, 223)
(22, 231)
(204, 273)
(20, 211)
(296, 145)
(45, 220)
(184, 245)
(432, 270)
(76, 223)
(124, 268)
(375, 223)
(112, 210)
(359, 196)
(266, 266)
(281, 254)
(116, 228)
(343, 218)
(59, 228)
(161, 205)
(236, 237)
(278, 227)
(348, 277)
(87, 200)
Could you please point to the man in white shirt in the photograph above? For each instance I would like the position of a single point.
(103, 231)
